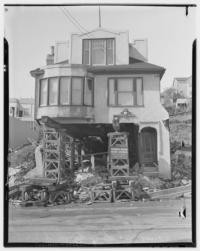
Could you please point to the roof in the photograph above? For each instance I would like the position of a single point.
(13, 100)
(140, 67)
(26, 101)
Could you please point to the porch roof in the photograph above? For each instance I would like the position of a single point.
(140, 67)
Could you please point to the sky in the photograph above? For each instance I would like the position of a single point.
(31, 31)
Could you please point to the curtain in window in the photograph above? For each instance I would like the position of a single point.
(77, 91)
(109, 53)
(86, 52)
(98, 51)
(64, 90)
(139, 91)
(53, 91)
(88, 92)
(43, 91)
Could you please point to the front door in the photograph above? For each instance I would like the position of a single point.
(148, 146)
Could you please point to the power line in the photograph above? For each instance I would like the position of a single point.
(68, 18)
(75, 20)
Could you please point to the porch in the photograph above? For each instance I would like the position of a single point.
(142, 145)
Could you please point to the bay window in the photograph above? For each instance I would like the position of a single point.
(66, 91)
(98, 51)
(125, 92)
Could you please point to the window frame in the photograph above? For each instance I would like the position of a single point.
(90, 51)
(83, 78)
(58, 89)
(116, 92)
(86, 77)
(47, 102)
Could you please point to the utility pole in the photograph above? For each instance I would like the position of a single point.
(99, 17)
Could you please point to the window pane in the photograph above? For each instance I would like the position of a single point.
(53, 91)
(125, 98)
(125, 84)
(110, 56)
(98, 51)
(111, 92)
(43, 92)
(76, 91)
(64, 90)
(88, 92)
(86, 52)
(139, 91)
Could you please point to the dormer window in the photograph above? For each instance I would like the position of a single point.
(98, 51)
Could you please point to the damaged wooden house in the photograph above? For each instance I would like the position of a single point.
(101, 84)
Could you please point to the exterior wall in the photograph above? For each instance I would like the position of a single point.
(62, 51)
(102, 113)
(28, 110)
(121, 45)
(184, 87)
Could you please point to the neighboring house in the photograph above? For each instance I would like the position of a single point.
(27, 105)
(21, 122)
(14, 107)
(99, 77)
(182, 103)
(183, 86)
(22, 108)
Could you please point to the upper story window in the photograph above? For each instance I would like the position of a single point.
(66, 91)
(98, 51)
(43, 91)
(125, 92)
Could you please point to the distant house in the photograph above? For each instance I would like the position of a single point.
(22, 108)
(97, 77)
(21, 122)
(183, 86)
(182, 103)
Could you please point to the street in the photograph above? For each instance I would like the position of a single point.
(101, 223)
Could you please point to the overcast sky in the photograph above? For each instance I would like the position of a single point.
(30, 32)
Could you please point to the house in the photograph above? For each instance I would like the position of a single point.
(183, 86)
(22, 108)
(99, 77)
(21, 122)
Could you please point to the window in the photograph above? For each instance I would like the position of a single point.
(77, 90)
(110, 51)
(125, 92)
(139, 91)
(88, 91)
(98, 51)
(53, 91)
(43, 91)
(64, 90)
(67, 91)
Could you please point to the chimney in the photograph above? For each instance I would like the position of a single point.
(50, 57)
